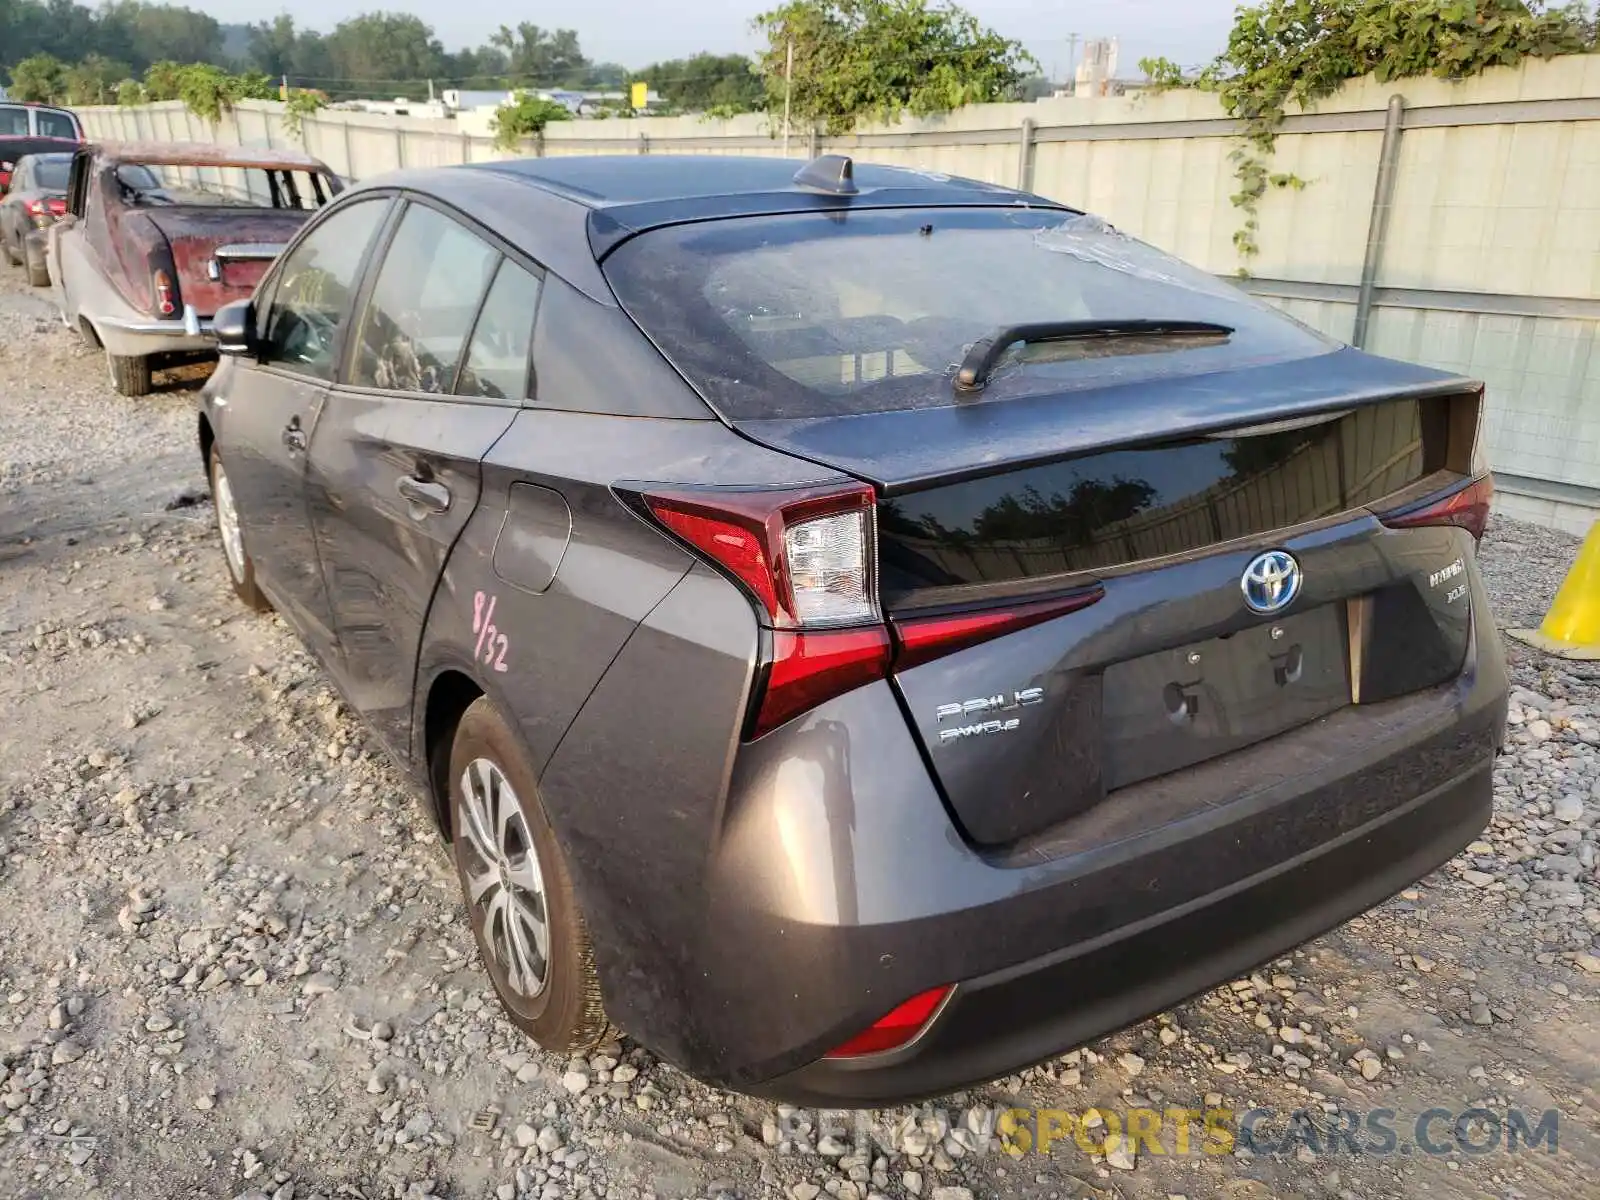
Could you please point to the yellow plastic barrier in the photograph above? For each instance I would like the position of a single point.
(1571, 629)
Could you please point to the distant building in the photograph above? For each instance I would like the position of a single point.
(398, 107)
(463, 99)
(579, 104)
(1097, 69)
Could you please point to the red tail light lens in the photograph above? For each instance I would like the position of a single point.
(1467, 507)
(923, 638)
(897, 1027)
(808, 668)
(806, 557)
(165, 304)
(56, 206)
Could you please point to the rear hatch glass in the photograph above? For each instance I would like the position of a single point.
(815, 314)
(1098, 512)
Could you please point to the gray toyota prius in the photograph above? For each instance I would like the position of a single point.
(863, 632)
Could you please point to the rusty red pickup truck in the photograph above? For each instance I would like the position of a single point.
(158, 236)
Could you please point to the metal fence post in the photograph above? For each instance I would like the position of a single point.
(1378, 220)
(349, 158)
(1025, 157)
(811, 147)
(644, 143)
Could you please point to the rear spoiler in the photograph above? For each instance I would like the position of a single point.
(241, 252)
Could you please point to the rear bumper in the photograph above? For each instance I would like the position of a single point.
(1010, 1019)
(837, 887)
(132, 337)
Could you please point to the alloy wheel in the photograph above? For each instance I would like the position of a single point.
(228, 524)
(504, 881)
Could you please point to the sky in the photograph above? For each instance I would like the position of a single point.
(638, 32)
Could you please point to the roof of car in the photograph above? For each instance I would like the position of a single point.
(37, 144)
(568, 213)
(603, 181)
(206, 154)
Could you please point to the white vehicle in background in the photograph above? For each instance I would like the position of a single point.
(25, 119)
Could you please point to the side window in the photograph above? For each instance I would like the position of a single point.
(497, 358)
(427, 293)
(316, 289)
(56, 125)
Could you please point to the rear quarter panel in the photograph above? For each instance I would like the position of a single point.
(625, 672)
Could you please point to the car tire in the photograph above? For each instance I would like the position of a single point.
(130, 376)
(38, 272)
(11, 255)
(240, 566)
(513, 861)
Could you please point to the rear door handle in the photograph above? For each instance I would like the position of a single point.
(423, 494)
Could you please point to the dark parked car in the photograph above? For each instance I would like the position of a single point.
(864, 632)
(35, 200)
(157, 237)
(15, 147)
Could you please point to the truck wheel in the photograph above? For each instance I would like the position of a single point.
(130, 376)
(38, 272)
(11, 255)
(518, 893)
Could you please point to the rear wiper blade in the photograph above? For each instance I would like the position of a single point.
(974, 371)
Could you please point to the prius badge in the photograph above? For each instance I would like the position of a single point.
(985, 714)
(1271, 582)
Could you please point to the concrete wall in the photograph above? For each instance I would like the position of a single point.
(1490, 267)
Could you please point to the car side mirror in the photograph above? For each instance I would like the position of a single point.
(235, 327)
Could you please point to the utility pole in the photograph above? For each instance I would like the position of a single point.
(1072, 62)
(788, 91)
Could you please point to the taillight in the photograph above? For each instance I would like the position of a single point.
(928, 637)
(808, 668)
(56, 206)
(807, 557)
(165, 304)
(899, 1026)
(1467, 507)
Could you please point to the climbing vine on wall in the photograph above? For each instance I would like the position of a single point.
(1295, 52)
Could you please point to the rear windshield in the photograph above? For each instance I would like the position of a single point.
(159, 186)
(821, 314)
(51, 173)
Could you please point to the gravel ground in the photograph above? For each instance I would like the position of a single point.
(233, 962)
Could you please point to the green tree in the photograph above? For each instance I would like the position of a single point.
(131, 91)
(163, 80)
(877, 59)
(94, 80)
(541, 57)
(41, 78)
(384, 48)
(145, 33)
(523, 118)
(707, 83)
